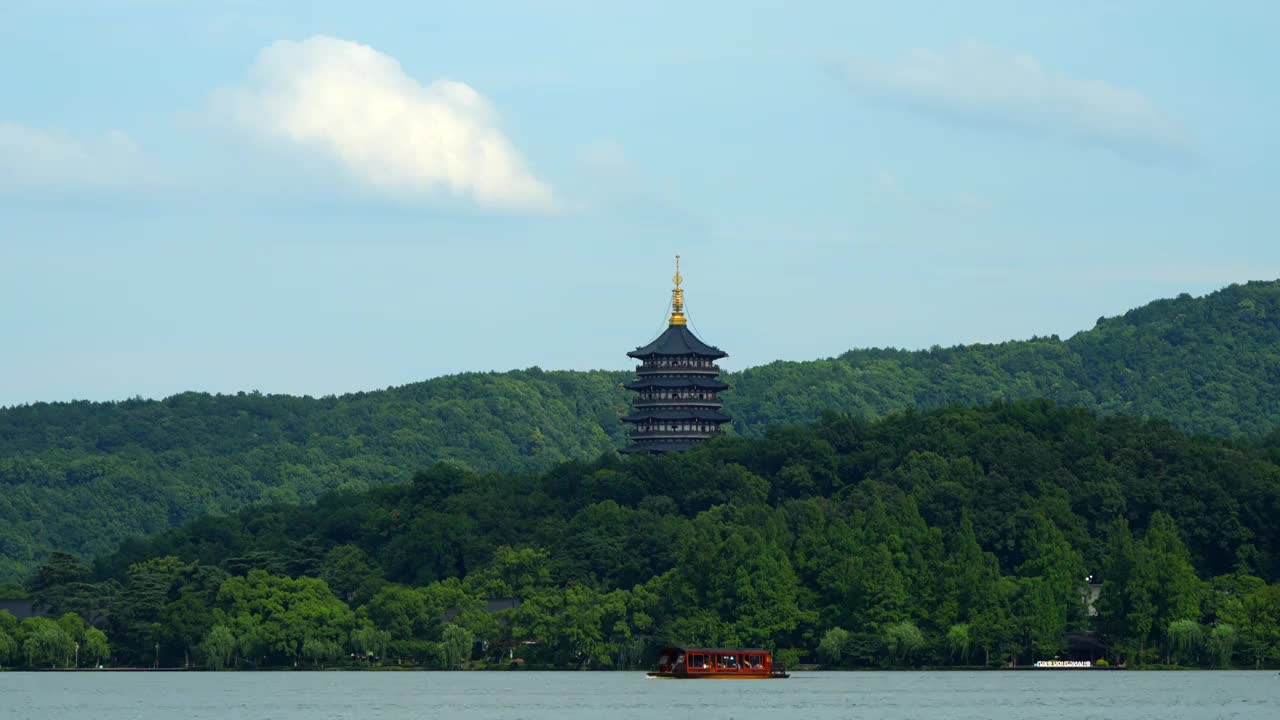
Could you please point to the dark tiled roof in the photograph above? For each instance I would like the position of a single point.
(20, 609)
(702, 383)
(678, 340)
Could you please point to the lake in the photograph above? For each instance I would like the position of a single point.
(621, 696)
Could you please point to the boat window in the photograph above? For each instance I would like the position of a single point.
(729, 661)
(698, 661)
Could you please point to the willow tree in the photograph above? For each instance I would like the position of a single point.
(457, 646)
(218, 646)
(903, 640)
(95, 645)
(1185, 638)
(959, 642)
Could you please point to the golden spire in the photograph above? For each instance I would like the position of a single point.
(677, 297)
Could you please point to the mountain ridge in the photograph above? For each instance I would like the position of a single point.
(81, 476)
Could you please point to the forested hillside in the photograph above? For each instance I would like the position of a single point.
(1209, 364)
(954, 536)
(83, 476)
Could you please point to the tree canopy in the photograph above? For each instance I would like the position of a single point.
(961, 535)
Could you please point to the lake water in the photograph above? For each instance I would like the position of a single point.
(621, 696)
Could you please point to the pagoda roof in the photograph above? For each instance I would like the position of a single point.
(702, 383)
(678, 340)
(686, 414)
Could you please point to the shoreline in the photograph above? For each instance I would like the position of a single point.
(805, 670)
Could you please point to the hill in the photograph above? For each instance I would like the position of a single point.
(82, 476)
(951, 536)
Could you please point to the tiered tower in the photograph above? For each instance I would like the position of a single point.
(679, 385)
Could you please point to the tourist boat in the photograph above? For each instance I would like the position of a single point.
(718, 664)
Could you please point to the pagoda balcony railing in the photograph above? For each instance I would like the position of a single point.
(679, 362)
(651, 370)
(639, 433)
(677, 403)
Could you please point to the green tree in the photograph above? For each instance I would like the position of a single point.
(1185, 638)
(1142, 590)
(995, 629)
(959, 642)
(575, 627)
(1259, 624)
(1053, 575)
(73, 625)
(8, 648)
(877, 592)
(369, 641)
(457, 646)
(1041, 618)
(513, 572)
(1165, 578)
(186, 621)
(219, 646)
(59, 571)
(903, 640)
(319, 650)
(1221, 644)
(46, 643)
(831, 649)
(139, 616)
(403, 612)
(351, 574)
(277, 615)
(1115, 603)
(95, 646)
(969, 577)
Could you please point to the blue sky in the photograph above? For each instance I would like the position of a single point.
(324, 197)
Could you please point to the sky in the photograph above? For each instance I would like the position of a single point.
(324, 197)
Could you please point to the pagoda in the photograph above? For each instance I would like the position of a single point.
(678, 382)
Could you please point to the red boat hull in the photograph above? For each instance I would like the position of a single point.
(775, 675)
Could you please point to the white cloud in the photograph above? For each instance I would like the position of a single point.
(393, 134)
(36, 159)
(985, 86)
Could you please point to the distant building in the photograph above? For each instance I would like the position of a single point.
(494, 605)
(678, 382)
(1093, 592)
(491, 605)
(20, 609)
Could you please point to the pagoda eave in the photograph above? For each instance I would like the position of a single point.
(682, 415)
(678, 341)
(677, 383)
